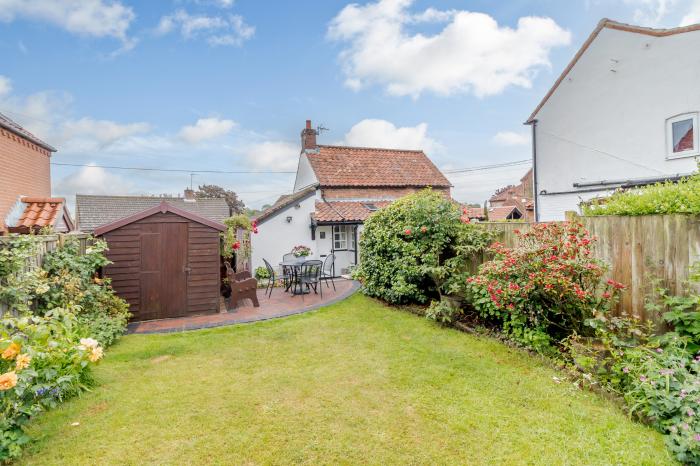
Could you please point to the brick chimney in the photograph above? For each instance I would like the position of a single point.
(189, 195)
(308, 137)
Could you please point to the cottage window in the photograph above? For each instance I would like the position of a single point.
(340, 238)
(351, 238)
(682, 136)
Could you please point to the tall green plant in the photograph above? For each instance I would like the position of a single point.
(416, 248)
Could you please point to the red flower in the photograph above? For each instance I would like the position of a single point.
(407, 231)
(236, 245)
(255, 230)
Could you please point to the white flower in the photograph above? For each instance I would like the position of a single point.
(41, 289)
(90, 343)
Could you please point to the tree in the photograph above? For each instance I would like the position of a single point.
(213, 191)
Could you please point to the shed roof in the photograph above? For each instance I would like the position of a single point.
(14, 127)
(369, 167)
(162, 208)
(94, 211)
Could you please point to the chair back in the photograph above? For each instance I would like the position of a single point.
(328, 264)
(270, 270)
(288, 257)
(311, 270)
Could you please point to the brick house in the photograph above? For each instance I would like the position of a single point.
(335, 190)
(25, 166)
(514, 202)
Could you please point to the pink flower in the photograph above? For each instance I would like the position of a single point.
(690, 412)
(626, 370)
(697, 437)
(642, 378)
(659, 350)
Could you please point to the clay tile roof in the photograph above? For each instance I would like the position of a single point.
(345, 211)
(475, 212)
(95, 211)
(10, 125)
(41, 212)
(367, 167)
(284, 201)
(502, 213)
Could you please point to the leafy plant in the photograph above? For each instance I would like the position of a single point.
(301, 251)
(545, 288)
(262, 273)
(682, 197)
(417, 248)
(230, 243)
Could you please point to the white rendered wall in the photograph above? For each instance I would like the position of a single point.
(616, 100)
(277, 237)
(305, 174)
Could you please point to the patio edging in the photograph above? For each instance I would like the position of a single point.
(207, 325)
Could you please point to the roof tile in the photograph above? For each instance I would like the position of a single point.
(346, 211)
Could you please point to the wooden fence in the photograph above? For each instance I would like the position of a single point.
(46, 244)
(643, 252)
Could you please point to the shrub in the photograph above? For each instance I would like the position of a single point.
(43, 362)
(262, 273)
(661, 198)
(416, 248)
(544, 289)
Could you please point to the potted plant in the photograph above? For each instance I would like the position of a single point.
(301, 251)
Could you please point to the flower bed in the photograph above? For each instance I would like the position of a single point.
(60, 317)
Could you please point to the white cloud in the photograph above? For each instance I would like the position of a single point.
(96, 18)
(650, 12)
(206, 128)
(100, 133)
(92, 180)
(277, 155)
(511, 138)
(382, 133)
(5, 85)
(217, 30)
(472, 53)
(693, 15)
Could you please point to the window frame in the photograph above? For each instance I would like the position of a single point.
(670, 154)
(342, 233)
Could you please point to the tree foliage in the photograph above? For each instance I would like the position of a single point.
(213, 191)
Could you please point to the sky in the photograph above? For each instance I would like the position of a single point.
(215, 86)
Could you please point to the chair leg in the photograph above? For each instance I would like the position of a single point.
(332, 283)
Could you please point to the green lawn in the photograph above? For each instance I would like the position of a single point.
(356, 382)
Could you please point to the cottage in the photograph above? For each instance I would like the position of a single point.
(623, 113)
(335, 190)
(26, 169)
(165, 262)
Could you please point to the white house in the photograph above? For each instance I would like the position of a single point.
(335, 190)
(623, 113)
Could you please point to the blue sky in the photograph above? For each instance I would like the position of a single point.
(227, 85)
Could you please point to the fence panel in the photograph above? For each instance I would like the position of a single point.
(46, 244)
(643, 252)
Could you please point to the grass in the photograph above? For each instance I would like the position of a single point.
(356, 382)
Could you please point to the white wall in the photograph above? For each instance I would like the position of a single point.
(305, 174)
(615, 100)
(276, 237)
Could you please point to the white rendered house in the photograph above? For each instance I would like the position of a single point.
(335, 190)
(623, 113)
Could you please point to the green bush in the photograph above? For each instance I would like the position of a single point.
(416, 248)
(262, 273)
(661, 198)
(43, 362)
(60, 317)
(544, 289)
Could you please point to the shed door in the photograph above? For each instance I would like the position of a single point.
(163, 270)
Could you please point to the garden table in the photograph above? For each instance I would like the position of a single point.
(295, 264)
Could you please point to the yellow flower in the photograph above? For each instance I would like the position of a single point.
(22, 361)
(88, 343)
(96, 354)
(11, 351)
(8, 380)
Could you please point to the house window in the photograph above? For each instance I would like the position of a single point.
(340, 237)
(682, 136)
(351, 238)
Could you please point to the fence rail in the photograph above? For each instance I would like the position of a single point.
(643, 252)
(46, 244)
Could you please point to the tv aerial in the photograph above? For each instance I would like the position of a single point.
(320, 128)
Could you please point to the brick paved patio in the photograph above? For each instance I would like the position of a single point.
(280, 304)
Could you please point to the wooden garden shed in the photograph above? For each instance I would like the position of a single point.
(166, 262)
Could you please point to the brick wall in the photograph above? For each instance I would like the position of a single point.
(24, 170)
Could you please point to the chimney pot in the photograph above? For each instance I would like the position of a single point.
(189, 195)
(308, 124)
